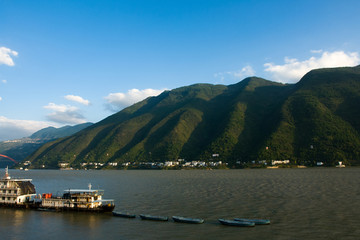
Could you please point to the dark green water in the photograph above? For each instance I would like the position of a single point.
(316, 203)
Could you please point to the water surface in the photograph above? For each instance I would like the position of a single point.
(314, 203)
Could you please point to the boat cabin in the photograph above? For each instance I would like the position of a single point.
(79, 199)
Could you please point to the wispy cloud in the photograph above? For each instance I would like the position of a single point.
(77, 99)
(13, 129)
(317, 51)
(117, 101)
(293, 69)
(64, 114)
(0, 98)
(244, 72)
(6, 55)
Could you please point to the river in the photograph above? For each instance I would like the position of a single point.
(313, 203)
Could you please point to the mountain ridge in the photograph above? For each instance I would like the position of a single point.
(255, 119)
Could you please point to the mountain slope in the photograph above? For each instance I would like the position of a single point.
(316, 119)
(320, 119)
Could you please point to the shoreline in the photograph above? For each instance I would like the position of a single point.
(187, 169)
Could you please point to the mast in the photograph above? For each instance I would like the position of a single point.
(7, 176)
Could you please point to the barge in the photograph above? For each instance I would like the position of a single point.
(88, 200)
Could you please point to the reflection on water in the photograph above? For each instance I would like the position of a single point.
(318, 203)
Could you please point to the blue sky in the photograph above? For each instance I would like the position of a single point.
(68, 62)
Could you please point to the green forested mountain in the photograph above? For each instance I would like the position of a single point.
(317, 119)
(320, 119)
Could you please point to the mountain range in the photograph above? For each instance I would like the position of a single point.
(19, 149)
(314, 120)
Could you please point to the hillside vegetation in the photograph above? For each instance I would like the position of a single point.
(317, 119)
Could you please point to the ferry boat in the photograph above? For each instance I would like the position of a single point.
(17, 192)
(89, 200)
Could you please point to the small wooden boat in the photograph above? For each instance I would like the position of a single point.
(124, 215)
(256, 221)
(45, 210)
(236, 223)
(154, 218)
(187, 220)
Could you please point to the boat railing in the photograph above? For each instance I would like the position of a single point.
(8, 194)
(10, 188)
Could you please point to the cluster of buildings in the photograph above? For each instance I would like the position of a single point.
(170, 164)
(267, 162)
(167, 164)
(24, 140)
(97, 164)
(180, 163)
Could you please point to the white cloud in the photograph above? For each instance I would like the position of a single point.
(4, 81)
(117, 101)
(5, 56)
(293, 69)
(0, 98)
(316, 51)
(64, 114)
(246, 71)
(14, 129)
(77, 99)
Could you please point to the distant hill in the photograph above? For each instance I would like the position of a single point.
(54, 133)
(317, 119)
(19, 149)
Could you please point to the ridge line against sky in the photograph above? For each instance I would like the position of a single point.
(65, 63)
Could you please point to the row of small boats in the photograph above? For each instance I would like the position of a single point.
(159, 218)
(239, 222)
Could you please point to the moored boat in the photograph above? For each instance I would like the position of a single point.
(87, 200)
(236, 223)
(17, 192)
(124, 214)
(187, 220)
(154, 218)
(256, 221)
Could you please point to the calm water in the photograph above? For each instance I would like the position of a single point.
(316, 203)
